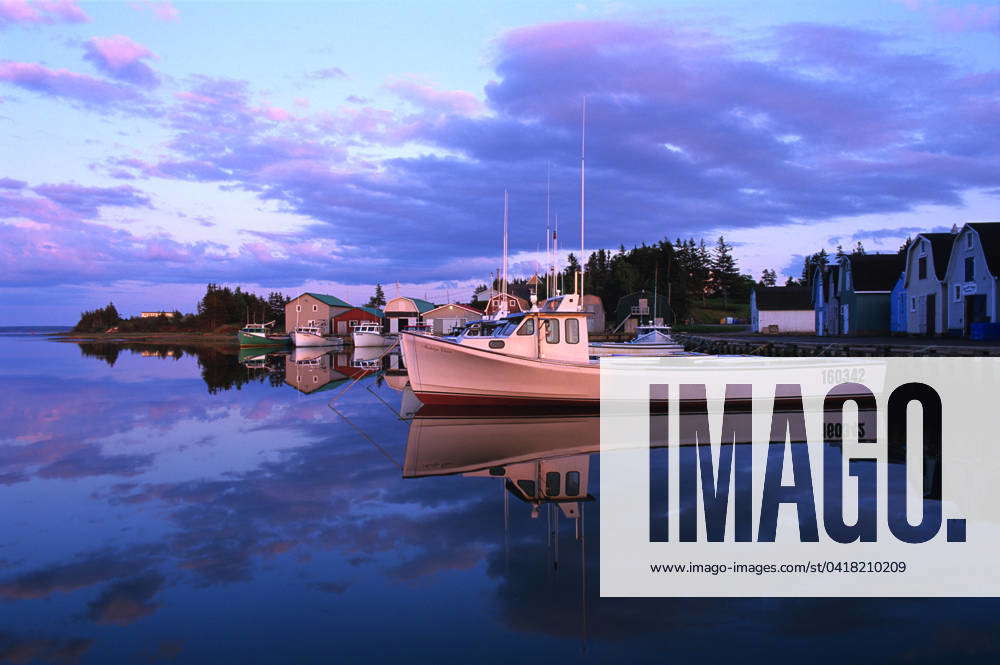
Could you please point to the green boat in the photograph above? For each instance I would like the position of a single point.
(260, 334)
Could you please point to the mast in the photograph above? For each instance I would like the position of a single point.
(583, 151)
(505, 222)
(548, 255)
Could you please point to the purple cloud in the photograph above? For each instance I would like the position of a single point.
(41, 12)
(969, 17)
(64, 83)
(328, 73)
(121, 58)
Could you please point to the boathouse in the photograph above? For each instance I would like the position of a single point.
(971, 278)
(865, 286)
(345, 321)
(826, 299)
(402, 312)
(782, 309)
(596, 322)
(926, 292)
(444, 318)
(897, 307)
(515, 304)
(313, 307)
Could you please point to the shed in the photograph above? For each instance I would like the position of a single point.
(345, 321)
(444, 318)
(866, 283)
(299, 311)
(971, 278)
(403, 312)
(783, 309)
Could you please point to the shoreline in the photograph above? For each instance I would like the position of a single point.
(196, 338)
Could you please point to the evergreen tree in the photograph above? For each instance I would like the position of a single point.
(378, 299)
(859, 249)
(768, 278)
(724, 274)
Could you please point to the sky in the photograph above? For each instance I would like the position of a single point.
(148, 148)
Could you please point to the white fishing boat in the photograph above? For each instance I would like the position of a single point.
(369, 334)
(540, 356)
(314, 333)
(650, 340)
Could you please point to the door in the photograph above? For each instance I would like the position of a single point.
(975, 311)
(930, 311)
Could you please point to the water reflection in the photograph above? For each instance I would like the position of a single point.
(148, 519)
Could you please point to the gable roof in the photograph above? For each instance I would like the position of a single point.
(941, 250)
(422, 305)
(454, 305)
(786, 298)
(332, 301)
(373, 311)
(874, 272)
(989, 236)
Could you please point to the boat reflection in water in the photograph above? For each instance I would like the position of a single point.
(316, 369)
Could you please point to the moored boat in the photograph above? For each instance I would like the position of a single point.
(650, 340)
(369, 334)
(260, 334)
(314, 333)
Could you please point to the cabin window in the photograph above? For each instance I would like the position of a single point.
(552, 483)
(572, 331)
(528, 328)
(552, 304)
(552, 331)
(528, 487)
(922, 268)
(573, 483)
(970, 268)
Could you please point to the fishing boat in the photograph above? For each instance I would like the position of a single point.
(369, 334)
(540, 356)
(261, 334)
(314, 333)
(650, 340)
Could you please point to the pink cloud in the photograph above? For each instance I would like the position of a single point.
(41, 11)
(429, 97)
(162, 11)
(120, 57)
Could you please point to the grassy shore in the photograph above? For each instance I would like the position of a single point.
(196, 338)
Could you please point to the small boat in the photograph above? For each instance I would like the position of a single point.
(650, 340)
(260, 334)
(369, 334)
(314, 333)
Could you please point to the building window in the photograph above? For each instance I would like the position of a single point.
(968, 241)
(913, 304)
(572, 331)
(922, 267)
(970, 268)
(298, 308)
(315, 308)
(958, 293)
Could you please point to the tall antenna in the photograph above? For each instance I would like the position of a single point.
(505, 218)
(548, 255)
(555, 255)
(583, 151)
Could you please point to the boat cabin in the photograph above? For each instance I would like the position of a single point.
(561, 480)
(557, 330)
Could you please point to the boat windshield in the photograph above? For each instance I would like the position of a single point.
(508, 326)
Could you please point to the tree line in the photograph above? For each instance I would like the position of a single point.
(220, 306)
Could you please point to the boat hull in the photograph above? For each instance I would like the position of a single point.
(368, 339)
(443, 372)
(628, 349)
(309, 339)
(248, 340)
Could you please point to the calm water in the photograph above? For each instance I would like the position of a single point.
(181, 505)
